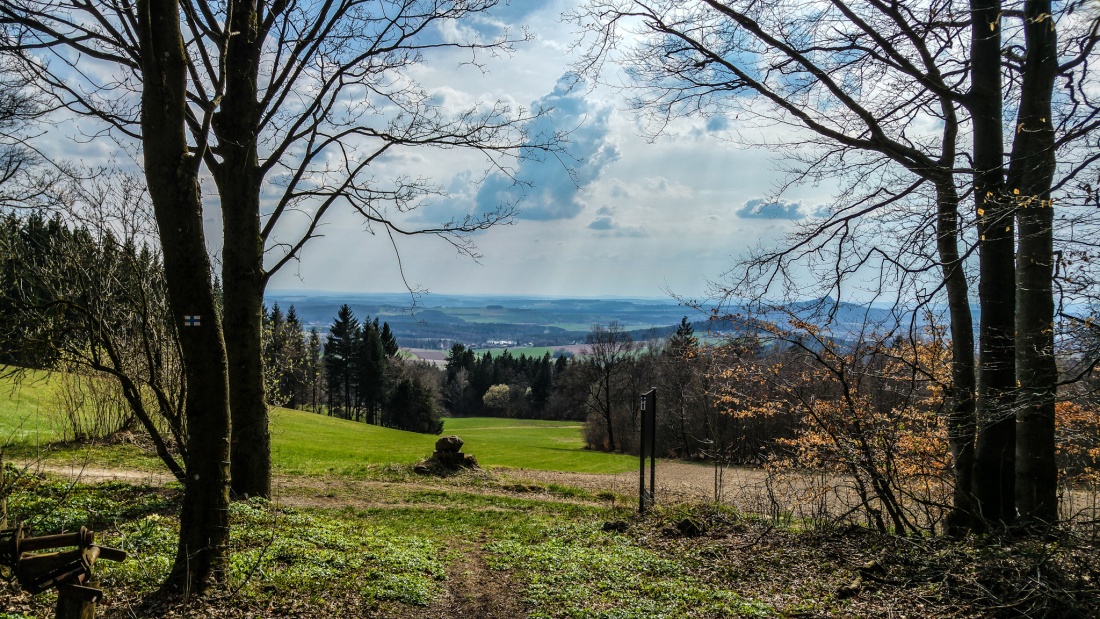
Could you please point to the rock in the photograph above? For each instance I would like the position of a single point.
(872, 567)
(450, 459)
(449, 444)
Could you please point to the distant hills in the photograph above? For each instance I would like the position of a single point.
(489, 320)
(439, 320)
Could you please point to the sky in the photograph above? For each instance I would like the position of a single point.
(637, 218)
(634, 217)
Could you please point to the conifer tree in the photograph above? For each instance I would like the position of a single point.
(338, 359)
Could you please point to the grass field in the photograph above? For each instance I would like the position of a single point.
(307, 443)
(23, 409)
(312, 444)
(352, 535)
(530, 351)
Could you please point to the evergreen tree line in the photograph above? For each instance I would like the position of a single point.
(501, 386)
(59, 284)
(355, 373)
(292, 361)
(79, 298)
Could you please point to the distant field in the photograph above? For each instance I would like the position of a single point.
(316, 444)
(530, 351)
(533, 351)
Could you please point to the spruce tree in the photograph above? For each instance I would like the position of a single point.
(339, 350)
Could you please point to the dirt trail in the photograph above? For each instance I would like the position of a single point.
(475, 591)
(676, 482)
(101, 474)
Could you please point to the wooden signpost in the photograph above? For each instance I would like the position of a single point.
(648, 446)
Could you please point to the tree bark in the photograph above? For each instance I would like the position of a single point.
(238, 178)
(994, 450)
(172, 175)
(960, 420)
(1031, 173)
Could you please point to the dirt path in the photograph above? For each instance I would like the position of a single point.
(676, 482)
(101, 474)
(475, 591)
(680, 482)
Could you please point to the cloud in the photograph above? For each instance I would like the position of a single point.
(605, 225)
(759, 208)
(546, 187)
(602, 223)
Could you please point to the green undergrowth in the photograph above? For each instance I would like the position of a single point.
(308, 555)
(391, 550)
(387, 560)
(577, 570)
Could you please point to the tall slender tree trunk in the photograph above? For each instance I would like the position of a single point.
(1031, 174)
(238, 179)
(607, 408)
(172, 175)
(960, 420)
(994, 450)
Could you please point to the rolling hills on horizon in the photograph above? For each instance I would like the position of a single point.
(516, 321)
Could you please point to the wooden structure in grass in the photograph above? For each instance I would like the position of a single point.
(68, 571)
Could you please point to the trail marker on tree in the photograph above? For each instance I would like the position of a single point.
(648, 445)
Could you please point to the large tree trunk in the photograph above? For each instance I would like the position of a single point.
(1030, 177)
(238, 180)
(960, 420)
(172, 175)
(994, 452)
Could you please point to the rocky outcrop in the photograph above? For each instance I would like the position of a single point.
(448, 458)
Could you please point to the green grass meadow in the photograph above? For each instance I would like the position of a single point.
(24, 403)
(312, 444)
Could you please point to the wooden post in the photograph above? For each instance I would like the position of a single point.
(76, 602)
(651, 417)
(641, 462)
(648, 443)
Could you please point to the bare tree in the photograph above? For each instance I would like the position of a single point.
(884, 93)
(156, 114)
(91, 299)
(604, 359)
(296, 101)
(21, 108)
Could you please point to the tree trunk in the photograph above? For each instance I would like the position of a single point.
(238, 180)
(607, 409)
(1031, 174)
(172, 175)
(960, 420)
(994, 450)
